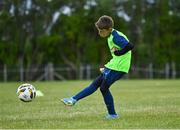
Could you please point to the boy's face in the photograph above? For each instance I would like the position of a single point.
(104, 32)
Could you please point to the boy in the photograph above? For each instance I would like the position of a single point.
(119, 65)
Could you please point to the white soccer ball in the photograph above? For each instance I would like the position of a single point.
(26, 92)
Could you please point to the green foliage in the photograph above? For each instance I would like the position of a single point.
(28, 36)
(50, 47)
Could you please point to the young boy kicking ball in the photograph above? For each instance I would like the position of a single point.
(120, 49)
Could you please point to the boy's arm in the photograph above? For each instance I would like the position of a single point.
(122, 43)
(127, 48)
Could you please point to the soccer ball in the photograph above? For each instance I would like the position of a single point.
(26, 92)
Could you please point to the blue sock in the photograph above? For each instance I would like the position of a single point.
(108, 99)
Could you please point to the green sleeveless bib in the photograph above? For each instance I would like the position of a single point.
(118, 63)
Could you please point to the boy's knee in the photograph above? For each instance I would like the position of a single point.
(104, 87)
(103, 90)
(97, 82)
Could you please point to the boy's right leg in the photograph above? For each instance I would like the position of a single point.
(84, 93)
(90, 89)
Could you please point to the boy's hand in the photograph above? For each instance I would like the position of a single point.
(101, 69)
(114, 49)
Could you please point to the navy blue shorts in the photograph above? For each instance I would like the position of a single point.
(111, 75)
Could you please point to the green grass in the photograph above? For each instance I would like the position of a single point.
(141, 104)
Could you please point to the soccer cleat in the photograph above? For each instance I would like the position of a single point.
(112, 116)
(69, 101)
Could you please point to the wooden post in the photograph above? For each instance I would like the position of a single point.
(21, 73)
(5, 73)
(173, 65)
(51, 71)
(167, 68)
(88, 72)
(46, 72)
(81, 69)
(151, 71)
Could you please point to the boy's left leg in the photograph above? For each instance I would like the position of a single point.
(109, 101)
(110, 77)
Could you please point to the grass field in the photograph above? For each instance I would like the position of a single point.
(141, 104)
